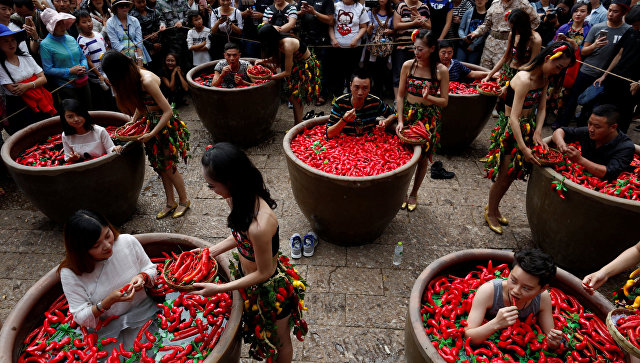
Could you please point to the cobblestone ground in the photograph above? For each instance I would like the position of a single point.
(357, 300)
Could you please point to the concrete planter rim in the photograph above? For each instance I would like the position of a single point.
(25, 305)
(56, 170)
(294, 131)
(608, 199)
(456, 258)
(211, 64)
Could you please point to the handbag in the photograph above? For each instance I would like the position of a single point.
(590, 94)
(381, 46)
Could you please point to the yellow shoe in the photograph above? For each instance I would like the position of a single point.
(166, 211)
(501, 220)
(412, 207)
(178, 214)
(404, 205)
(497, 229)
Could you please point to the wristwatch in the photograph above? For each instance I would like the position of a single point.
(100, 307)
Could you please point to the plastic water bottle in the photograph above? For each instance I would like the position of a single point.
(397, 254)
(104, 85)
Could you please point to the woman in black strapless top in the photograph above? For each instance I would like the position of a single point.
(272, 289)
(519, 127)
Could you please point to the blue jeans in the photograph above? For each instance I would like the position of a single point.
(464, 55)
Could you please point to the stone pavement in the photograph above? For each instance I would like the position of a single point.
(357, 300)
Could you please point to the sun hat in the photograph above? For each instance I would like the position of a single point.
(119, 2)
(20, 35)
(51, 17)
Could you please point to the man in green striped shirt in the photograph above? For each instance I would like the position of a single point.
(356, 113)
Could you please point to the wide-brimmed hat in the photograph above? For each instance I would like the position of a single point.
(116, 3)
(51, 17)
(20, 35)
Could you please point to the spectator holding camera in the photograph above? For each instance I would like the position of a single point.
(226, 21)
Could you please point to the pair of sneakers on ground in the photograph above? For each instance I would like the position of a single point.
(303, 246)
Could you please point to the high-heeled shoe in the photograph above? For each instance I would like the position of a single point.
(502, 220)
(168, 209)
(412, 206)
(497, 229)
(403, 206)
(179, 214)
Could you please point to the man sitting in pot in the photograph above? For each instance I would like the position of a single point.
(356, 113)
(606, 151)
(232, 71)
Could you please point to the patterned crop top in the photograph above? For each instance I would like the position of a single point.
(530, 100)
(148, 100)
(527, 55)
(416, 85)
(245, 247)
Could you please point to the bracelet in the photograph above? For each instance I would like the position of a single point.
(100, 307)
(34, 85)
(145, 276)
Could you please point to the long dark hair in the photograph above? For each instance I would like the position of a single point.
(81, 232)
(227, 164)
(269, 39)
(126, 79)
(431, 40)
(388, 9)
(538, 61)
(76, 107)
(106, 4)
(521, 25)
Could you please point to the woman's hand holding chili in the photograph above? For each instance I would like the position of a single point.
(116, 296)
(528, 156)
(207, 289)
(593, 281)
(137, 283)
(145, 137)
(537, 139)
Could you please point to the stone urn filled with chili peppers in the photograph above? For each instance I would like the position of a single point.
(440, 300)
(109, 184)
(242, 116)
(465, 116)
(349, 194)
(27, 321)
(582, 221)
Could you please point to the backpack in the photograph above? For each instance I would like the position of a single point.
(381, 46)
(279, 17)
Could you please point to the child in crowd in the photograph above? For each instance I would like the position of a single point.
(81, 139)
(503, 302)
(174, 85)
(198, 39)
(458, 72)
(93, 46)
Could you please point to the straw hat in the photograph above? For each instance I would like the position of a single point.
(116, 3)
(51, 17)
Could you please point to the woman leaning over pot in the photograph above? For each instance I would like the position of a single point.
(167, 139)
(99, 262)
(272, 290)
(519, 127)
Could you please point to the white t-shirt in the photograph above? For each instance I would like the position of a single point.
(84, 291)
(93, 48)
(234, 18)
(26, 68)
(348, 19)
(96, 142)
(23, 45)
(195, 38)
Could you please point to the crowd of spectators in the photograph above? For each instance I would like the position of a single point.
(66, 40)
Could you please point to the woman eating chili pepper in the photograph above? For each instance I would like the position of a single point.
(519, 127)
(419, 81)
(524, 292)
(272, 290)
(299, 66)
(99, 262)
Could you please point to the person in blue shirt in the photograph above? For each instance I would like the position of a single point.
(441, 12)
(598, 14)
(125, 33)
(63, 61)
(458, 72)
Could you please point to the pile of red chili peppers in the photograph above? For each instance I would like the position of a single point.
(366, 155)
(629, 327)
(460, 88)
(190, 267)
(49, 152)
(626, 186)
(446, 304)
(490, 87)
(207, 80)
(550, 155)
(190, 326)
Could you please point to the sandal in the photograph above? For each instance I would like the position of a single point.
(168, 209)
(177, 213)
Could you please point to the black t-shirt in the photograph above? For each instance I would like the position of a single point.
(629, 64)
(250, 25)
(312, 30)
(616, 155)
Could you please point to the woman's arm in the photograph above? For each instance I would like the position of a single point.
(171, 81)
(506, 57)
(153, 89)
(443, 77)
(626, 260)
(183, 82)
(361, 32)
(402, 92)
(447, 24)
(542, 114)
(536, 44)
(463, 30)
(291, 22)
(219, 248)
(237, 28)
(288, 60)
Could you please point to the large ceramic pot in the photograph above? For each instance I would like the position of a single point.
(242, 116)
(418, 346)
(584, 231)
(464, 118)
(29, 311)
(346, 210)
(109, 184)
